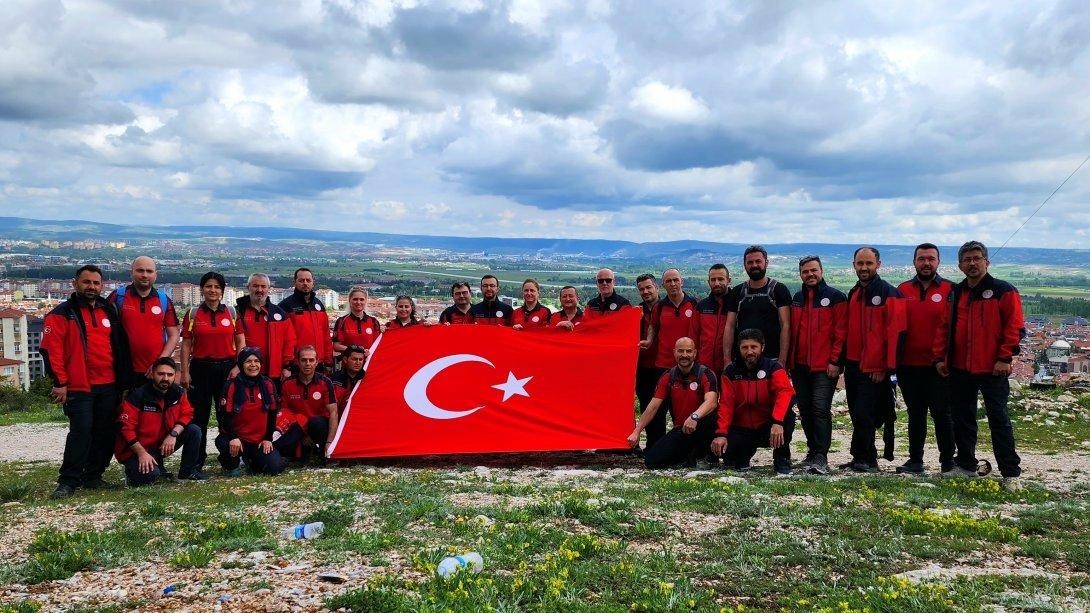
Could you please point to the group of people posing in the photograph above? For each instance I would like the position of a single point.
(728, 368)
(731, 366)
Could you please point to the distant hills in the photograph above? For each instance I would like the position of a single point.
(695, 251)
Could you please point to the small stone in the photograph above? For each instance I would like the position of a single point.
(698, 473)
(332, 577)
(731, 480)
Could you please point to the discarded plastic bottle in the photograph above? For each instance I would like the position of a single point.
(303, 531)
(453, 564)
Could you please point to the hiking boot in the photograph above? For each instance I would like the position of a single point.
(232, 472)
(167, 476)
(807, 461)
(783, 469)
(819, 465)
(196, 475)
(1012, 484)
(911, 468)
(863, 467)
(959, 471)
(706, 464)
(63, 491)
(887, 451)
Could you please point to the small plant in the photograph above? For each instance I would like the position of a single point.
(197, 556)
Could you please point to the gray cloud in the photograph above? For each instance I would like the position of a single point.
(587, 119)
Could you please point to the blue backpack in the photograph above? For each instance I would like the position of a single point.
(119, 299)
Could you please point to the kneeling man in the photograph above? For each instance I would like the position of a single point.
(308, 412)
(156, 420)
(689, 390)
(754, 407)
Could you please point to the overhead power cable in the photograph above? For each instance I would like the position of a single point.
(1043, 203)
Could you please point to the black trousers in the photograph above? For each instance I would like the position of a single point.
(317, 430)
(677, 447)
(258, 461)
(870, 405)
(964, 388)
(742, 444)
(926, 392)
(92, 428)
(646, 380)
(209, 381)
(189, 441)
(814, 393)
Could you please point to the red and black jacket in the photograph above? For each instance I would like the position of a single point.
(672, 322)
(683, 393)
(272, 332)
(343, 385)
(65, 346)
(146, 417)
(559, 316)
(925, 309)
(352, 330)
(254, 419)
(300, 401)
(451, 315)
(311, 324)
(985, 325)
(876, 325)
(647, 356)
(752, 397)
(492, 313)
(395, 324)
(535, 317)
(819, 325)
(713, 320)
(598, 306)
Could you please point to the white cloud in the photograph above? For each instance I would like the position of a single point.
(661, 102)
(847, 122)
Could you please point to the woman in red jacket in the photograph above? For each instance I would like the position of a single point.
(405, 314)
(247, 420)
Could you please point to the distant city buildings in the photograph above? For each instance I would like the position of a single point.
(14, 362)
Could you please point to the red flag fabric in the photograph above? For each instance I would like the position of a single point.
(478, 389)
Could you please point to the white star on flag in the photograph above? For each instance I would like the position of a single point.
(513, 386)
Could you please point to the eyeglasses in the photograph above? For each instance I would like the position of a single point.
(604, 281)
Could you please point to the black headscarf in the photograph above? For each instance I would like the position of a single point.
(245, 384)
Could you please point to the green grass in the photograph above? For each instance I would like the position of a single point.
(638, 541)
(644, 542)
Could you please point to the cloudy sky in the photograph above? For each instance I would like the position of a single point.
(731, 121)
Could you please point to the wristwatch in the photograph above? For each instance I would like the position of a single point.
(171, 434)
(693, 416)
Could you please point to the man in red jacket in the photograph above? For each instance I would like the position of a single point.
(980, 337)
(689, 391)
(754, 407)
(926, 300)
(309, 319)
(266, 327)
(673, 317)
(148, 316)
(647, 375)
(308, 410)
(86, 354)
(819, 324)
(876, 322)
(713, 318)
(155, 420)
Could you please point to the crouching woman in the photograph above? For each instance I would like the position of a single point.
(247, 420)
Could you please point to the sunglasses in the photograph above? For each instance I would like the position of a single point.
(604, 281)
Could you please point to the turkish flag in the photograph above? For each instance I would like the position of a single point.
(478, 389)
